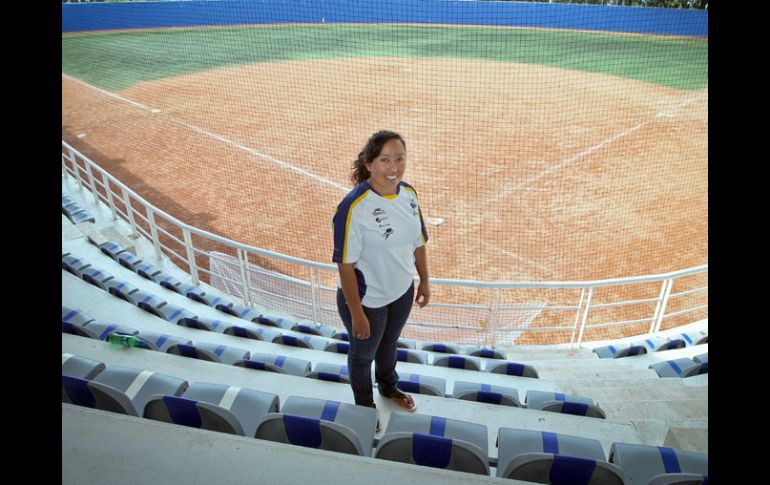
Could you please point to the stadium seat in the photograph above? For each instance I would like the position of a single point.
(473, 391)
(512, 369)
(275, 321)
(683, 367)
(337, 347)
(210, 352)
(80, 367)
(97, 330)
(217, 407)
(330, 372)
(161, 341)
(309, 432)
(113, 250)
(139, 385)
(443, 348)
(171, 283)
(88, 393)
(486, 352)
(122, 289)
(129, 260)
(645, 465)
(701, 358)
(319, 330)
(150, 271)
(696, 338)
(411, 355)
(361, 420)
(406, 343)
(429, 385)
(563, 403)
(657, 344)
(555, 458)
(458, 362)
(97, 277)
(435, 442)
(275, 363)
(168, 311)
(203, 323)
(617, 352)
(237, 310)
(306, 342)
(147, 301)
(341, 335)
(74, 265)
(74, 316)
(254, 333)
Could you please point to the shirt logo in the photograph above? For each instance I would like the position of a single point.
(378, 212)
(388, 232)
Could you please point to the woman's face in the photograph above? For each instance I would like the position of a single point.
(388, 167)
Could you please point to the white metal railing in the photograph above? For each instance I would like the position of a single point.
(494, 328)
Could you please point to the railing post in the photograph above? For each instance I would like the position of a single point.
(130, 213)
(154, 233)
(243, 263)
(63, 166)
(313, 298)
(92, 181)
(190, 256)
(577, 318)
(660, 309)
(110, 199)
(585, 314)
(76, 169)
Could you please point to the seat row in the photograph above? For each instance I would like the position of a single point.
(424, 440)
(684, 367)
(74, 212)
(655, 344)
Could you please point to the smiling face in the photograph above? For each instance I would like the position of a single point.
(387, 169)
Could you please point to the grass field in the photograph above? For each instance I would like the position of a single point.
(117, 60)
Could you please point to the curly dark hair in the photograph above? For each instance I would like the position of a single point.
(370, 152)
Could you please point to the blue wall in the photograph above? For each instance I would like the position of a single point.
(140, 15)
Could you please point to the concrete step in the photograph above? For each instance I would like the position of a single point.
(693, 439)
(567, 373)
(619, 382)
(653, 432)
(625, 411)
(604, 395)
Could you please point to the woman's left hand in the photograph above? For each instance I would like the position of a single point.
(423, 294)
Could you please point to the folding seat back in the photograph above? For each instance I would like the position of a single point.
(642, 464)
(631, 351)
(195, 414)
(103, 331)
(472, 391)
(309, 328)
(112, 249)
(406, 343)
(432, 451)
(79, 330)
(486, 352)
(512, 369)
(330, 372)
(563, 403)
(701, 358)
(276, 363)
(171, 283)
(361, 420)
(173, 313)
(193, 352)
(81, 367)
(658, 344)
(475, 434)
(129, 260)
(441, 347)
(673, 368)
(563, 470)
(276, 321)
(458, 362)
(254, 333)
(341, 335)
(226, 354)
(202, 323)
(411, 355)
(696, 370)
(97, 277)
(695, 338)
(420, 384)
(338, 347)
(161, 341)
(139, 385)
(92, 394)
(306, 342)
(308, 432)
(148, 302)
(122, 289)
(74, 265)
(74, 316)
(241, 311)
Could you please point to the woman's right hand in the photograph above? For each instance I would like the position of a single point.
(361, 328)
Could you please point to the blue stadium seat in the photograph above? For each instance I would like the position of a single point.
(307, 341)
(275, 363)
(309, 432)
(75, 316)
(254, 333)
(435, 442)
(147, 301)
(683, 367)
(150, 272)
(406, 343)
(429, 385)
(341, 335)
(113, 250)
(171, 283)
(169, 312)
(563, 403)
(486, 352)
(88, 393)
(97, 277)
(319, 330)
(74, 211)
(216, 407)
(161, 341)
(512, 369)
(545, 457)
(80, 367)
(361, 420)
(701, 358)
(443, 348)
(657, 344)
(474, 391)
(337, 347)
(696, 338)
(122, 289)
(210, 352)
(330, 372)
(458, 362)
(139, 385)
(74, 265)
(96, 330)
(204, 323)
(644, 465)
(620, 351)
(276, 321)
(411, 355)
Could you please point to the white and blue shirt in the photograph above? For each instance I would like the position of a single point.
(379, 234)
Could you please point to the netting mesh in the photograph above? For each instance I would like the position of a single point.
(555, 143)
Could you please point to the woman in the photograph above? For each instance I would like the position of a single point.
(379, 240)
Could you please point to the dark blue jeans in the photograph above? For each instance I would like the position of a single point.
(386, 324)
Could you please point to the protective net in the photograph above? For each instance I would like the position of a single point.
(546, 142)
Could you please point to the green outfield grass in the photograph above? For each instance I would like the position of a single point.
(117, 60)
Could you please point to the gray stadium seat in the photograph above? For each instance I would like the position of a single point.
(128, 260)
(309, 432)
(97, 277)
(161, 341)
(74, 265)
(170, 312)
(276, 321)
(216, 407)
(458, 362)
(171, 283)
(112, 249)
(486, 352)
(99, 331)
(150, 271)
(683, 367)
(197, 294)
(330, 372)
(210, 352)
(307, 341)
(436, 442)
(643, 464)
(254, 333)
(473, 391)
(406, 343)
(619, 351)
(546, 457)
(204, 323)
(237, 310)
(441, 347)
(429, 385)
(80, 367)
(563, 403)
(512, 369)
(361, 420)
(89, 393)
(658, 344)
(701, 358)
(411, 355)
(147, 301)
(320, 330)
(696, 338)
(341, 335)
(337, 347)
(139, 385)
(75, 316)
(122, 289)
(276, 363)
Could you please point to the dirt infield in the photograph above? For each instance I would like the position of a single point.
(599, 177)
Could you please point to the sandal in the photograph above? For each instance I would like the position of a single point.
(405, 401)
